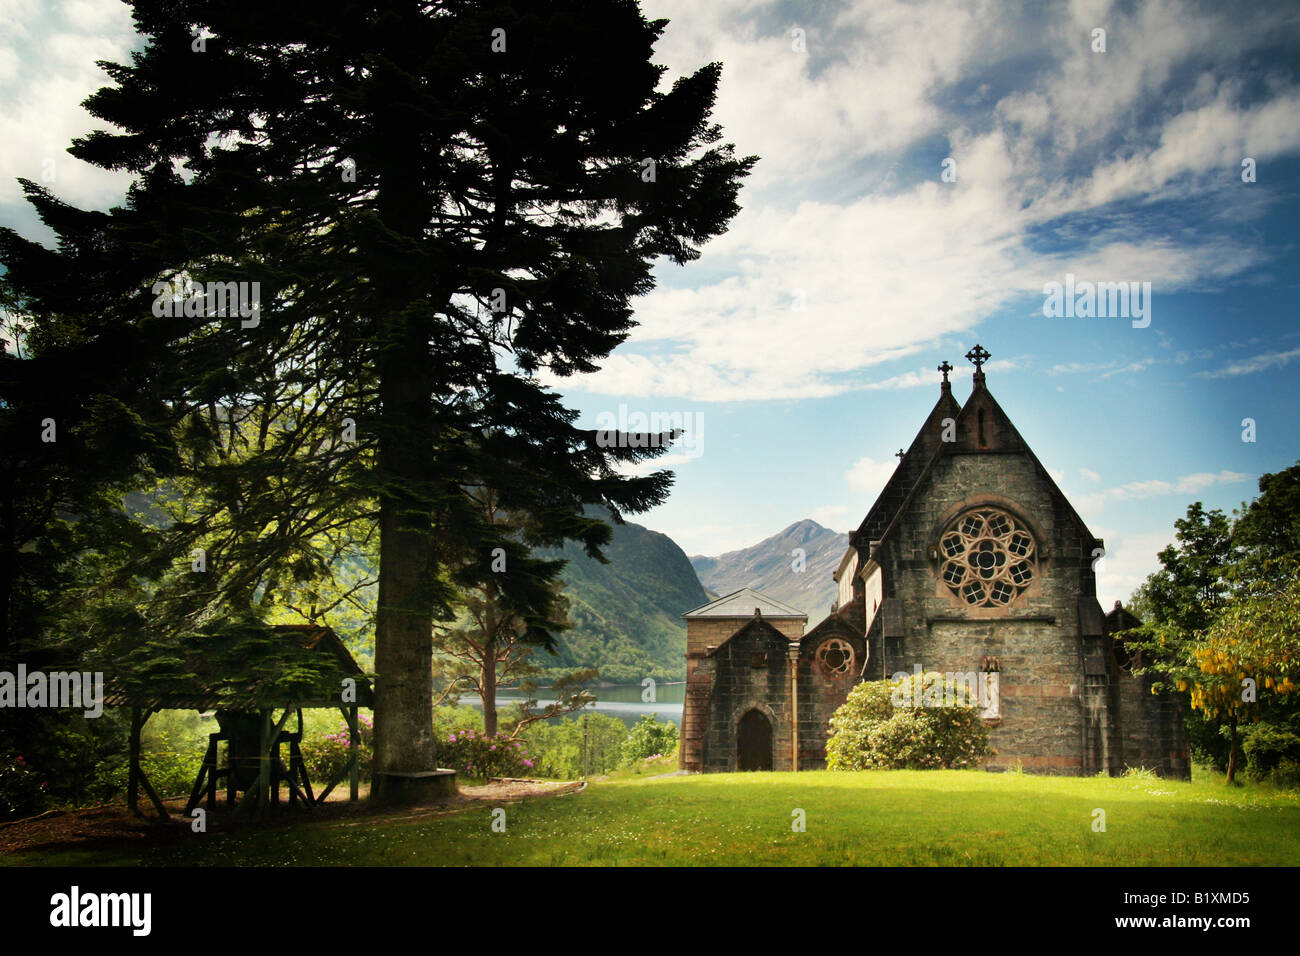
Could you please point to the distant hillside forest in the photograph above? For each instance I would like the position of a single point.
(627, 614)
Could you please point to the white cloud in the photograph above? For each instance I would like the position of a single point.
(846, 203)
(890, 259)
(1256, 363)
(711, 539)
(1155, 487)
(1089, 475)
(1191, 484)
(669, 461)
(868, 477)
(42, 85)
(835, 517)
(1128, 560)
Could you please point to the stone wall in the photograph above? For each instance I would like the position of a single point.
(1151, 728)
(737, 686)
(1035, 639)
(820, 694)
(700, 633)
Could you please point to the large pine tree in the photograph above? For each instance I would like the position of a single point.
(438, 201)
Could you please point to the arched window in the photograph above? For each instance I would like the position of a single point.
(987, 558)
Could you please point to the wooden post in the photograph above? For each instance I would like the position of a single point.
(263, 798)
(354, 748)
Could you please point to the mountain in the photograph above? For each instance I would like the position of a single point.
(769, 567)
(627, 615)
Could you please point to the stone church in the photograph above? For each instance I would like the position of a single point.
(971, 562)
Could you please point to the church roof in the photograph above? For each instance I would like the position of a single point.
(1120, 618)
(744, 603)
(981, 426)
(914, 461)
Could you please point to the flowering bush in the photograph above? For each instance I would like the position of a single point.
(872, 731)
(21, 791)
(327, 755)
(476, 754)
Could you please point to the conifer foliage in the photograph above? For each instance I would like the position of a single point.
(385, 222)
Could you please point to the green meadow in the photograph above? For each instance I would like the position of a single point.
(877, 818)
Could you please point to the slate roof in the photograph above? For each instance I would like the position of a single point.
(908, 472)
(742, 603)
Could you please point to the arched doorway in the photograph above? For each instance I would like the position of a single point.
(754, 742)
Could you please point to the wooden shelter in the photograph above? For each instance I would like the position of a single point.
(296, 666)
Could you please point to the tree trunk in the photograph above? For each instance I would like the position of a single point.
(490, 691)
(1232, 748)
(406, 437)
(404, 617)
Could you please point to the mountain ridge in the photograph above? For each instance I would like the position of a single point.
(772, 566)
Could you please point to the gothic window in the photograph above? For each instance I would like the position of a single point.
(988, 558)
(835, 657)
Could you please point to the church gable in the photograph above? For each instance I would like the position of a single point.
(999, 469)
(742, 604)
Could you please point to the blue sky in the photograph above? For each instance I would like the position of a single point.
(1122, 165)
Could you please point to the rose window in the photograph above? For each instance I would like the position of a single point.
(835, 657)
(988, 558)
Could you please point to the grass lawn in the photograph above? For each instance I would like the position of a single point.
(898, 818)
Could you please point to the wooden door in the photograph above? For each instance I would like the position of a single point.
(754, 742)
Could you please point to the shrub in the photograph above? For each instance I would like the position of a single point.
(649, 738)
(22, 793)
(1272, 752)
(450, 719)
(878, 728)
(172, 745)
(80, 761)
(558, 747)
(327, 755)
(478, 755)
(1285, 774)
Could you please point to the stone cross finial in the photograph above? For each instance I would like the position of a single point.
(899, 454)
(945, 368)
(978, 355)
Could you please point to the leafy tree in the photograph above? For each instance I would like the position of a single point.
(648, 737)
(568, 694)
(1221, 616)
(491, 645)
(1176, 604)
(1268, 528)
(439, 201)
(1256, 637)
(568, 748)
